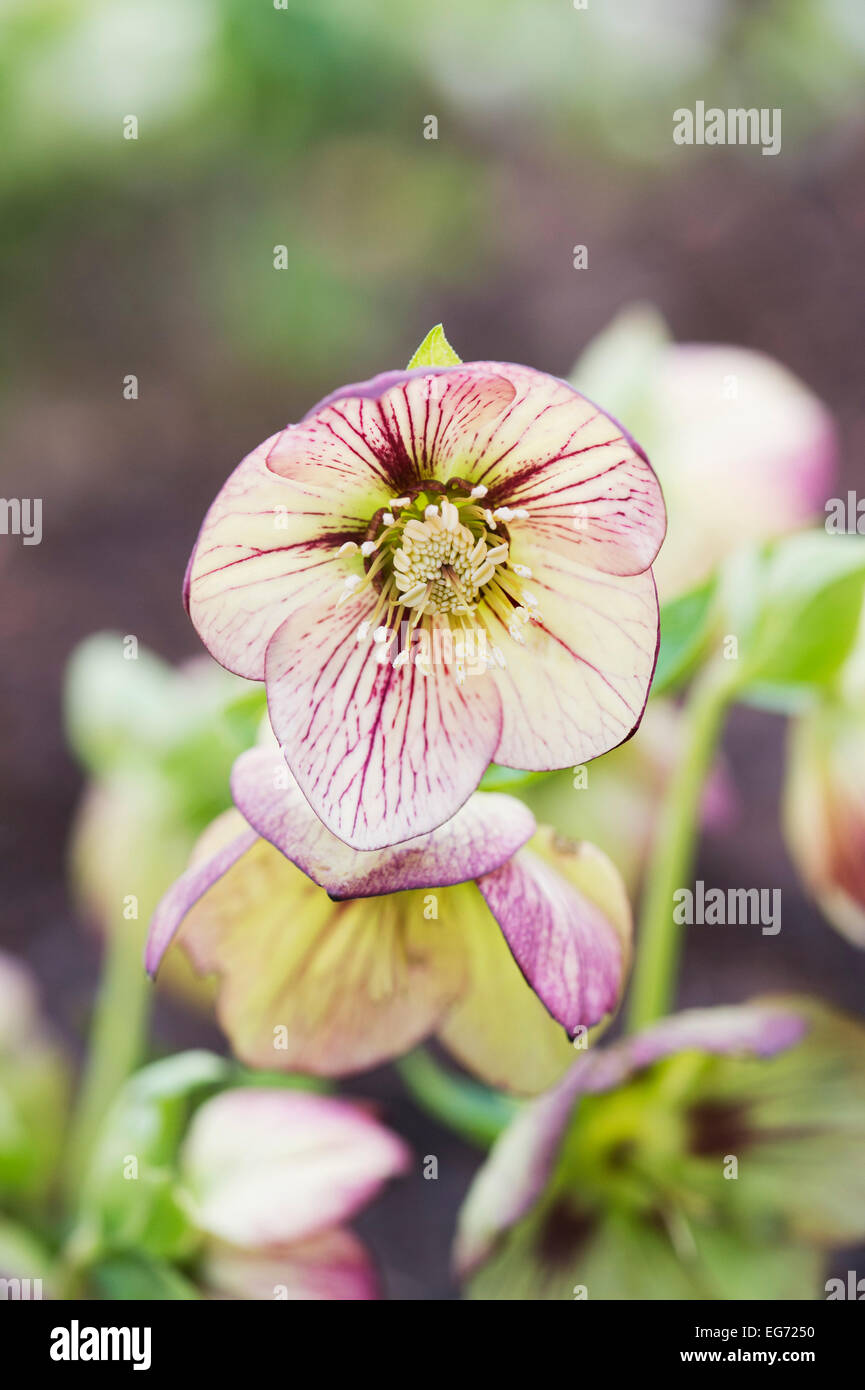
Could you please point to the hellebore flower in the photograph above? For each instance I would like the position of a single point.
(270, 1178)
(435, 569)
(333, 960)
(824, 811)
(675, 1165)
(244, 1194)
(744, 451)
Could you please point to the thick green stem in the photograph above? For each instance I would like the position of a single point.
(116, 1041)
(659, 941)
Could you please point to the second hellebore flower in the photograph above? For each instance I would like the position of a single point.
(435, 569)
(333, 960)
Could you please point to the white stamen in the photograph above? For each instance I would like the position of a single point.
(387, 518)
(352, 582)
(363, 630)
(381, 634)
(367, 548)
(521, 514)
(347, 548)
(522, 570)
(490, 519)
(400, 501)
(503, 513)
(431, 512)
(450, 515)
(401, 659)
(479, 491)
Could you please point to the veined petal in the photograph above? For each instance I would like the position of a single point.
(484, 833)
(263, 1167)
(312, 985)
(521, 1161)
(333, 1266)
(531, 440)
(382, 755)
(572, 950)
(498, 1028)
(578, 684)
(269, 543)
(224, 842)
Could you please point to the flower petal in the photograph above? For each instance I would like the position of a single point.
(573, 954)
(531, 440)
(485, 832)
(382, 755)
(522, 1160)
(269, 543)
(578, 685)
(334, 1266)
(346, 985)
(498, 1028)
(226, 841)
(264, 1167)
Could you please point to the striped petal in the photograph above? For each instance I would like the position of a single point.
(577, 685)
(479, 838)
(270, 542)
(570, 935)
(264, 1167)
(530, 439)
(382, 755)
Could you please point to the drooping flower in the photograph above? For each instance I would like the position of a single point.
(333, 959)
(714, 1155)
(435, 569)
(271, 1177)
(245, 1194)
(745, 452)
(824, 810)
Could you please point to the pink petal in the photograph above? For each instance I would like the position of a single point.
(570, 952)
(382, 755)
(333, 1267)
(578, 685)
(264, 1167)
(485, 832)
(235, 839)
(269, 543)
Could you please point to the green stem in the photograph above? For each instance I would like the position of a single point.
(116, 1042)
(466, 1107)
(660, 938)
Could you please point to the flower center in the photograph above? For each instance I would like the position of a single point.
(439, 562)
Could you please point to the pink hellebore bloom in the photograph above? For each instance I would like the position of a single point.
(271, 1176)
(435, 569)
(333, 959)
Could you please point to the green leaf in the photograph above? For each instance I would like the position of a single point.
(133, 1277)
(805, 614)
(435, 351)
(132, 1193)
(685, 626)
